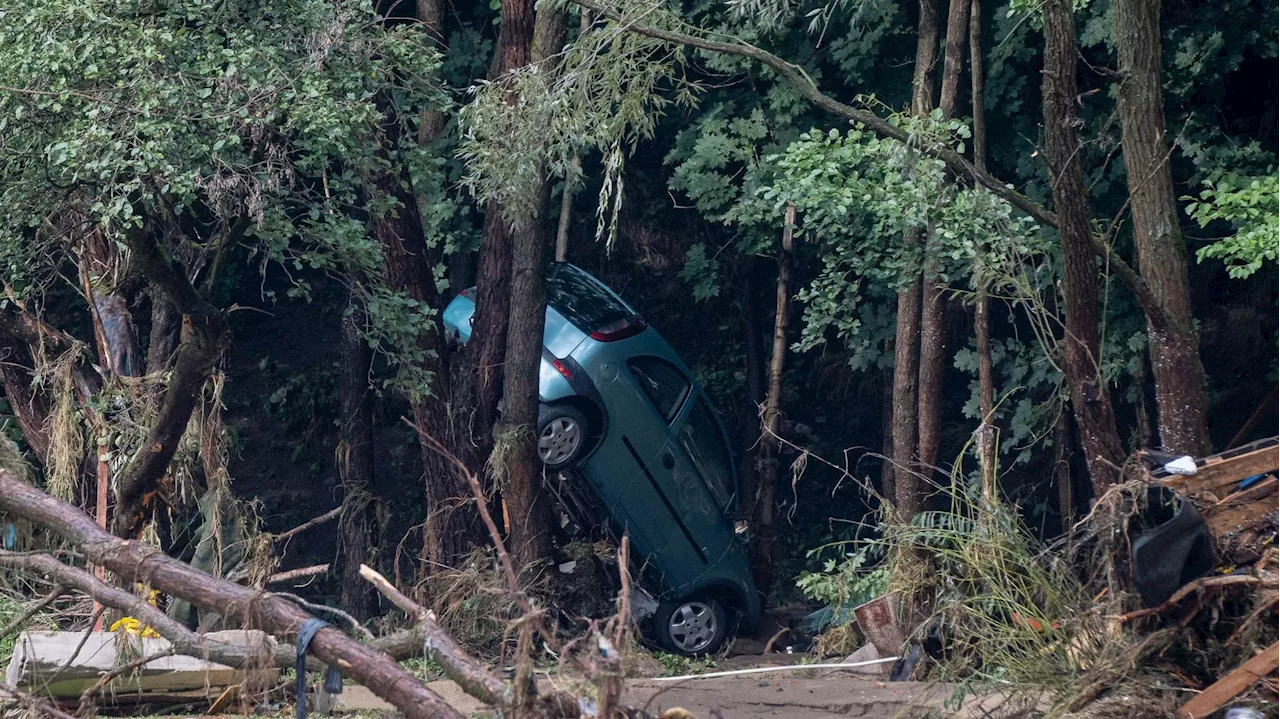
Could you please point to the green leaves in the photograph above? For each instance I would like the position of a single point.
(1250, 206)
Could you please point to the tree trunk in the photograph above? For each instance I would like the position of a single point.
(487, 348)
(357, 528)
(987, 466)
(765, 534)
(1090, 399)
(909, 495)
(933, 351)
(528, 505)
(452, 526)
(1162, 258)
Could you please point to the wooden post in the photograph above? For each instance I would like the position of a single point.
(104, 481)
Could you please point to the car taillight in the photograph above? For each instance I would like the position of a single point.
(619, 330)
(469, 293)
(562, 369)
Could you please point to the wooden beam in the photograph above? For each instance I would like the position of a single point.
(1229, 687)
(1225, 469)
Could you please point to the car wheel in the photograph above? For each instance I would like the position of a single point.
(562, 436)
(691, 627)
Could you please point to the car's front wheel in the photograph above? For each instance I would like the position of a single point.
(691, 627)
(562, 435)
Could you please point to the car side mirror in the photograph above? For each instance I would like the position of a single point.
(741, 528)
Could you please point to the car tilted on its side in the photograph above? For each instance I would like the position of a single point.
(626, 434)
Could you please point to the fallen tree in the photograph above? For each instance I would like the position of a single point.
(137, 562)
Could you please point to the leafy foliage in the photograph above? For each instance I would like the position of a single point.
(1251, 205)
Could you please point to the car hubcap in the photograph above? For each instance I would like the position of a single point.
(559, 440)
(693, 626)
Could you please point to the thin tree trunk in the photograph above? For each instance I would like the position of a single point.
(528, 505)
(567, 193)
(1162, 258)
(933, 349)
(982, 305)
(766, 506)
(357, 528)
(909, 495)
(1090, 399)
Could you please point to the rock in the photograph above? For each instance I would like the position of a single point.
(865, 653)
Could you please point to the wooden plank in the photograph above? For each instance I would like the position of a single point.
(39, 656)
(1239, 517)
(1229, 687)
(1223, 470)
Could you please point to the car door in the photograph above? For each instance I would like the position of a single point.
(650, 499)
(704, 489)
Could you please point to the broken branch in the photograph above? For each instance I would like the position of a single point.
(1197, 585)
(459, 666)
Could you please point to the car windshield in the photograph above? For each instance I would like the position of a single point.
(701, 438)
(582, 300)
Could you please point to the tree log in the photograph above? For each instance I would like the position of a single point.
(137, 562)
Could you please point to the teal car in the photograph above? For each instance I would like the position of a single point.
(625, 432)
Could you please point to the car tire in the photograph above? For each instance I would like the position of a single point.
(691, 627)
(563, 435)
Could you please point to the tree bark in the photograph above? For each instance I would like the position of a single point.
(765, 534)
(357, 527)
(987, 464)
(1162, 257)
(1090, 398)
(134, 561)
(528, 506)
(907, 341)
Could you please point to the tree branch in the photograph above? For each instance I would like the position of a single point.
(795, 77)
(136, 562)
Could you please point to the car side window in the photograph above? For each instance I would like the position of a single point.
(702, 439)
(665, 385)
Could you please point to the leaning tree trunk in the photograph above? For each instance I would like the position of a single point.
(909, 494)
(354, 455)
(753, 371)
(528, 506)
(1162, 257)
(1090, 399)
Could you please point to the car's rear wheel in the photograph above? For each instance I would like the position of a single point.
(691, 627)
(562, 435)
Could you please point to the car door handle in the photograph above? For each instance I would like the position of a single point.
(668, 460)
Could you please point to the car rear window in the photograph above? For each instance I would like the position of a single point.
(665, 385)
(582, 300)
